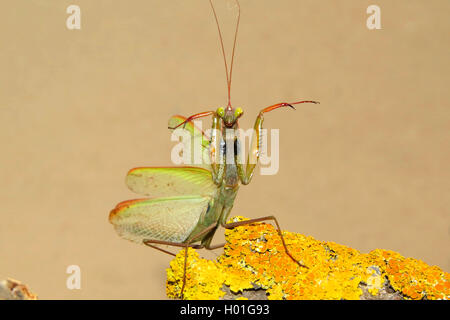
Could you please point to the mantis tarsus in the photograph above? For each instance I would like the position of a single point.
(188, 204)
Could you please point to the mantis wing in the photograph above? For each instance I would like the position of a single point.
(196, 135)
(171, 181)
(167, 219)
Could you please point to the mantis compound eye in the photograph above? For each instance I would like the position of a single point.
(238, 112)
(220, 112)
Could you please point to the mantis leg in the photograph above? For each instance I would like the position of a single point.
(240, 223)
(216, 151)
(255, 145)
(216, 246)
(169, 243)
(184, 245)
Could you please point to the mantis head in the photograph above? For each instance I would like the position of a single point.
(229, 115)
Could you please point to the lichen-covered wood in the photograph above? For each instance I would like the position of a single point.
(11, 289)
(254, 266)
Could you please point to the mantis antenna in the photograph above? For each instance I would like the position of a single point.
(228, 74)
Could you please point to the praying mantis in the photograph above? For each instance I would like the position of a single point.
(187, 204)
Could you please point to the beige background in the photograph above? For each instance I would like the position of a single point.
(368, 167)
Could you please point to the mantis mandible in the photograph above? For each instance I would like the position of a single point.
(188, 204)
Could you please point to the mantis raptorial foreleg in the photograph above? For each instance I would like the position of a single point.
(245, 175)
(216, 151)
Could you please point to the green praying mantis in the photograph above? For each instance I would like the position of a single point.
(187, 204)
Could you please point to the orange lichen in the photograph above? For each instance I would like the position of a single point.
(205, 278)
(414, 278)
(254, 257)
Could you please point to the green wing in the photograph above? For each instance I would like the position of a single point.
(167, 219)
(171, 181)
(195, 133)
